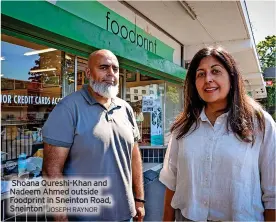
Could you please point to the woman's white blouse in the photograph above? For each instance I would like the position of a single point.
(216, 176)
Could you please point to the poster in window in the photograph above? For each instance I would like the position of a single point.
(147, 104)
(156, 123)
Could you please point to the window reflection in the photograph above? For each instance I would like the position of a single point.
(68, 85)
(31, 78)
(81, 79)
(174, 106)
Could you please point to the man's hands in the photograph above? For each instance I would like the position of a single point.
(140, 211)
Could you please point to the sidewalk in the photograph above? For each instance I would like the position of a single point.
(153, 166)
(154, 192)
(151, 172)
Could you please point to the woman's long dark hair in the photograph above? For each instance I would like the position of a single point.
(243, 110)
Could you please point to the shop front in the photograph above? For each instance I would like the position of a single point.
(43, 59)
(35, 78)
(44, 56)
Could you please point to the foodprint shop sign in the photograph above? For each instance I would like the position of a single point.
(97, 13)
(129, 34)
(23, 99)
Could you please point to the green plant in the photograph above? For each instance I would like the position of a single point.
(267, 52)
(173, 94)
(274, 116)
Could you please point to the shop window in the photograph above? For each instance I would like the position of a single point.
(81, 68)
(128, 96)
(31, 86)
(68, 83)
(148, 110)
(174, 106)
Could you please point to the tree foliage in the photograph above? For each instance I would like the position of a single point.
(271, 95)
(173, 94)
(267, 55)
(267, 52)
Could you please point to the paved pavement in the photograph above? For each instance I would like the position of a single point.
(154, 194)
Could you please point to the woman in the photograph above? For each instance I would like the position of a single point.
(220, 162)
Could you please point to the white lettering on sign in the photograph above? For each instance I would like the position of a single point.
(52, 1)
(5, 98)
(55, 100)
(37, 100)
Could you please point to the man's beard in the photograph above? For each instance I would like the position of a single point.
(104, 89)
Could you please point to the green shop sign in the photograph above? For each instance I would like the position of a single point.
(81, 27)
(130, 35)
(100, 15)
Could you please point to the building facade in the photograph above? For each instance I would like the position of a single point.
(45, 47)
(44, 53)
(44, 56)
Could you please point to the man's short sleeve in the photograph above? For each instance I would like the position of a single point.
(267, 160)
(59, 128)
(135, 129)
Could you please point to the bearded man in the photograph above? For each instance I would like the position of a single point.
(92, 134)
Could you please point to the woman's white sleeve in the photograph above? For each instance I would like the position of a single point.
(169, 171)
(267, 161)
